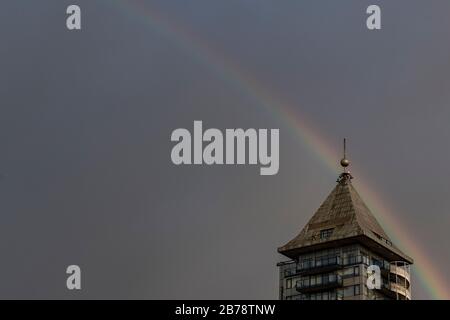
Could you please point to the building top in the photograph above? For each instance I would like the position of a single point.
(343, 218)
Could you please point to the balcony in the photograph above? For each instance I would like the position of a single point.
(395, 291)
(320, 265)
(325, 295)
(318, 283)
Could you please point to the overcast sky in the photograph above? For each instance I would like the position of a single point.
(86, 118)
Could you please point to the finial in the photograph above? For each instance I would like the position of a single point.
(344, 161)
(345, 177)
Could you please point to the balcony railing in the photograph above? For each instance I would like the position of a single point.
(332, 263)
(332, 295)
(395, 291)
(323, 282)
(319, 265)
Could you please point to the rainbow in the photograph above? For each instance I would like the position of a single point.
(430, 278)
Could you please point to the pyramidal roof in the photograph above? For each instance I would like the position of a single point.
(343, 218)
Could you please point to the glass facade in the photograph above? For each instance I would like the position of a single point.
(340, 273)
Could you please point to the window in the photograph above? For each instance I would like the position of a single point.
(349, 291)
(351, 272)
(288, 283)
(319, 280)
(306, 264)
(351, 258)
(325, 234)
(332, 277)
(365, 259)
(347, 272)
(352, 291)
(302, 283)
(357, 290)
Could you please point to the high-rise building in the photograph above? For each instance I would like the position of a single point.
(336, 254)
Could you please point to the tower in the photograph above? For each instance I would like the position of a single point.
(334, 255)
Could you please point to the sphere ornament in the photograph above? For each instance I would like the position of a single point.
(345, 162)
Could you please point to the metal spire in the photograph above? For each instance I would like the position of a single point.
(344, 147)
(344, 161)
(345, 176)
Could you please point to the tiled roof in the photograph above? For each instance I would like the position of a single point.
(346, 214)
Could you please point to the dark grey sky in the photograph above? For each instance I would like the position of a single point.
(86, 118)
